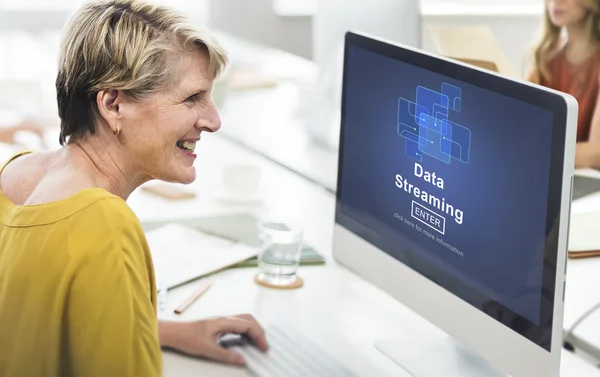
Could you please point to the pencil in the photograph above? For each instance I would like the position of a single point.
(580, 254)
(199, 292)
(221, 236)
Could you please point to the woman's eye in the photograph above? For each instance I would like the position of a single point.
(195, 97)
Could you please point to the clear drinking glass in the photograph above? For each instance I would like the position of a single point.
(279, 251)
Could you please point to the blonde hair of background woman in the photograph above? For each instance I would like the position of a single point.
(551, 41)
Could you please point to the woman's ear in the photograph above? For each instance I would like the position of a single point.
(109, 102)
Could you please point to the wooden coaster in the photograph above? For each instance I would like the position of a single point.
(296, 284)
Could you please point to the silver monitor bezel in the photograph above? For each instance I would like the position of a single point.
(503, 347)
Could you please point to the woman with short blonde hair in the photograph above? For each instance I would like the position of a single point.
(77, 286)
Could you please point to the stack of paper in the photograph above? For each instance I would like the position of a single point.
(181, 254)
(584, 235)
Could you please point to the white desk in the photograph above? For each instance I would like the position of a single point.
(583, 286)
(333, 301)
(334, 307)
(574, 366)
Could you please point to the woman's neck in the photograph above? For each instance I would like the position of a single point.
(103, 167)
(579, 47)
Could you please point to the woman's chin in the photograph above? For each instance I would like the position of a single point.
(183, 175)
(188, 177)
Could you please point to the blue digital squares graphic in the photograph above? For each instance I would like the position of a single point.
(427, 101)
(440, 112)
(427, 129)
(412, 150)
(454, 140)
(408, 122)
(406, 116)
(454, 94)
(433, 145)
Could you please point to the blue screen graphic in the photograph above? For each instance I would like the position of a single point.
(426, 126)
(452, 174)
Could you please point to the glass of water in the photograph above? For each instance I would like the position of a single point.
(279, 252)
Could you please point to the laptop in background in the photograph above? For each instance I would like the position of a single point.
(584, 186)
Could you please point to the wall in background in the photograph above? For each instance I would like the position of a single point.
(256, 20)
(515, 25)
(29, 29)
(288, 25)
(397, 20)
(29, 42)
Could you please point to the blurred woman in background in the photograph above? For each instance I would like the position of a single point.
(567, 59)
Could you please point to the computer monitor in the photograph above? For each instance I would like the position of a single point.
(453, 196)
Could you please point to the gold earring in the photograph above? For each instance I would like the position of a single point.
(118, 130)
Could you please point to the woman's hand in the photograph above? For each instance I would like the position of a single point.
(200, 338)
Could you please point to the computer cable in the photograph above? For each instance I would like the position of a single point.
(569, 332)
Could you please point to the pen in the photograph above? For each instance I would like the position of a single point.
(221, 236)
(199, 292)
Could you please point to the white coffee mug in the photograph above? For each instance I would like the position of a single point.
(241, 180)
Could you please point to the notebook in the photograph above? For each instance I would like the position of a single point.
(181, 254)
(242, 228)
(584, 235)
(308, 257)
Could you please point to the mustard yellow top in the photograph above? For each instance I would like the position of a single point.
(77, 290)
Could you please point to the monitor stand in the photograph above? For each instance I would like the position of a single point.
(436, 357)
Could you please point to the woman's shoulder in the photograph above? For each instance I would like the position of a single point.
(108, 228)
(13, 157)
(103, 211)
(107, 242)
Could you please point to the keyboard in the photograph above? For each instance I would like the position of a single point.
(290, 354)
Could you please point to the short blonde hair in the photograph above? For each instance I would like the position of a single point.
(122, 44)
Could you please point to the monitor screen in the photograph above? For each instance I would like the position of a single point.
(451, 177)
